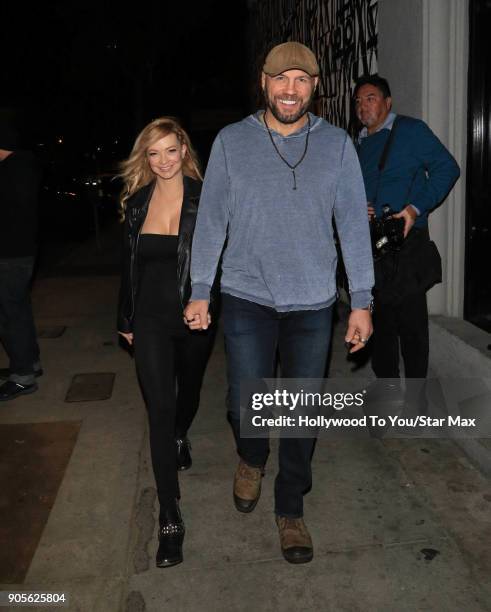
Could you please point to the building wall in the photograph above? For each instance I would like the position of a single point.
(342, 34)
(423, 52)
(400, 51)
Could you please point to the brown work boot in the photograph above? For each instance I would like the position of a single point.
(295, 540)
(247, 486)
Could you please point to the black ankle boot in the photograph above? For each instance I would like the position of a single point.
(184, 460)
(171, 536)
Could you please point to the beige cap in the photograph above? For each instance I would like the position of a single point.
(290, 56)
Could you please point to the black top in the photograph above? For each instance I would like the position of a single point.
(19, 185)
(136, 211)
(158, 294)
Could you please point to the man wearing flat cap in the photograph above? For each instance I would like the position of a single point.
(274, 182)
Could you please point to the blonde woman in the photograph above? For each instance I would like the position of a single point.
(160, 202)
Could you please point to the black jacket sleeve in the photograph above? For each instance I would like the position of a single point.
(125, 300)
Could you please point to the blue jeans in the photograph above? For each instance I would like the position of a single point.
(17, 330)
(254, 335)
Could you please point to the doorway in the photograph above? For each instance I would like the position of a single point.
(477, 299)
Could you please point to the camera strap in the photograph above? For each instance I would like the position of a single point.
(385, 154)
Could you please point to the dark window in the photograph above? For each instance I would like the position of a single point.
(477, 304)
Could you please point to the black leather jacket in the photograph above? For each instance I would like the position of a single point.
(136, 211)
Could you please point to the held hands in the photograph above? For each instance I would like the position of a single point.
(409, 215)
(128, 337)
(359, 329)
(196, 315)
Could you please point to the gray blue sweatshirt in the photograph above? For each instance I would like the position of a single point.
(280, 247)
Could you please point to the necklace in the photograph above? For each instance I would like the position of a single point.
(292, 167)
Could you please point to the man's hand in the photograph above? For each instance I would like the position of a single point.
(128, 337)
(409, 215)
(359, 329)
(196, 315)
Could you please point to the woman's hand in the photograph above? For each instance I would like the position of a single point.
(196, 315)
(128, 337)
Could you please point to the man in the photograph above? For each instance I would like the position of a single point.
(273, 182)
(417, 175)
(19, 182)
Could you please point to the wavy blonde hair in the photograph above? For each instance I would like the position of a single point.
(136, 172)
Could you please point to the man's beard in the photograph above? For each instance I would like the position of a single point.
(281, 117)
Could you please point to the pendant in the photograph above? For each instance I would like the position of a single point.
(294, 180)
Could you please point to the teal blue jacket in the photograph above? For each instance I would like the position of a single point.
(419, 169)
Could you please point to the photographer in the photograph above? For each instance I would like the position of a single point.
(407, 169)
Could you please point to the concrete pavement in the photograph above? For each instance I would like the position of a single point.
(375, 505)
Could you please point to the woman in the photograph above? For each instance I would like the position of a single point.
(159, 202)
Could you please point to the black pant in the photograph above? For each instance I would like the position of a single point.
(16, 321)
(405, 322)
(253, 336)
(163, 358)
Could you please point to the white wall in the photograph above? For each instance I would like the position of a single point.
(423, 52)
(400, 48)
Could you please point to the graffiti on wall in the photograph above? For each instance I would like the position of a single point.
(342, 34)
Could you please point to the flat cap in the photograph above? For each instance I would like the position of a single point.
(290, 56)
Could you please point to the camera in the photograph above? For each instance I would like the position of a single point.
(387, 233)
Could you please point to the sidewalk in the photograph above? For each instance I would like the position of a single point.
(375, 505)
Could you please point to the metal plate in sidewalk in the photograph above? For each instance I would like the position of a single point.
(51, 331)
(91, 387)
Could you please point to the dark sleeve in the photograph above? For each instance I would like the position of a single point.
(26, 178)
(441, 167)
(125, 300)
(26, 182)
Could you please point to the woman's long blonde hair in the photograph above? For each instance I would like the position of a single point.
(135, 171)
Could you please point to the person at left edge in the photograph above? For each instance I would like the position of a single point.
(160, 202)
(19, 184)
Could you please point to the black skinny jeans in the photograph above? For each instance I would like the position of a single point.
(164, 358)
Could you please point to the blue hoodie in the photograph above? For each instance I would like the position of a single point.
(280, 250)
